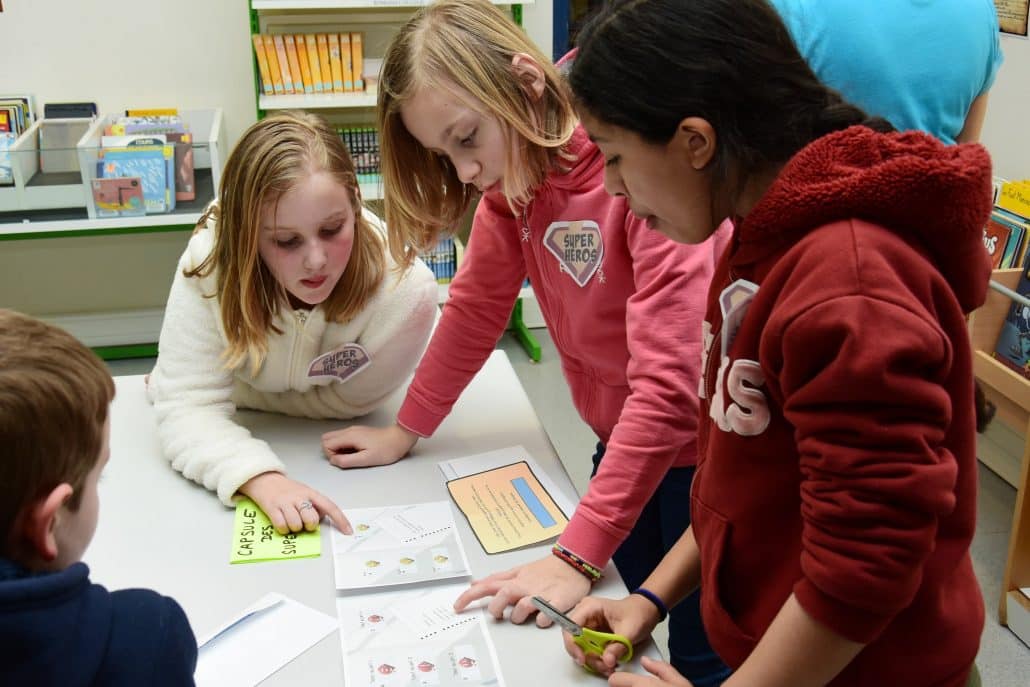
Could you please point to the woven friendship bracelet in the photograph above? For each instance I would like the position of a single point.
(585, 568)
(663, 612)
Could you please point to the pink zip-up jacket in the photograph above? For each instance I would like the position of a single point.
(624, 307)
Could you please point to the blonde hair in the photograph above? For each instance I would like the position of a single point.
(270, 159)
(469, 44)
(54, 398)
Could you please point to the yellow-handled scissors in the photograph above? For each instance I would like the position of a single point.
(590, 641)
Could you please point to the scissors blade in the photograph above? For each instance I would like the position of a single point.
(557, 616)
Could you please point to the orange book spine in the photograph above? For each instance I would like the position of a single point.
(357, 61)
(316, 71)
(262, 61)
(296, 76)
(284, 63)
(345, 64)
(273, 65)
(334, 63)
(323, 62)
(305, 67)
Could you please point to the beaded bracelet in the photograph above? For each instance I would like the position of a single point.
(663, 612)
(585, 568)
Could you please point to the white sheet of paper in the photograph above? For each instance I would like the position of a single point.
(481, 462)
(278, 630)
(398, 545)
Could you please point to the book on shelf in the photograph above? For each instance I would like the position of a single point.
(442, 259)
(16, 115)
(311, 42)
(152, 164)
(267, 85)
(357, 60)
(293, 60)
(305, 64)
(284, 63)
(273, 65)
(346, 64)
(324, 64)
(1013, 346)
(118, 196)
(335, 63)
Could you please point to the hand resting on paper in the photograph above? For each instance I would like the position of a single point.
(292, 506)
(557, 582)
(633, 617)
(362, 447)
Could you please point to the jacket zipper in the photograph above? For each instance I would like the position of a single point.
(301, 318)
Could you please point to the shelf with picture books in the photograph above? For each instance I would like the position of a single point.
(113, 174)
(1000, 335)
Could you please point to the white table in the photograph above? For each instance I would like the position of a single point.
(159, 530)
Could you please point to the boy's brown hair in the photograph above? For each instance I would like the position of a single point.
(54, 398)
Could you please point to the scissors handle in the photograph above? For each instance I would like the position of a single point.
(594, 642)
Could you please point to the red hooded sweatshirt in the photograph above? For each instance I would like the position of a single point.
(840, 460)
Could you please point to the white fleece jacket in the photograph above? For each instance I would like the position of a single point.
(313, 369)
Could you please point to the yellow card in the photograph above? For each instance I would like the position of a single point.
(254, 538)
(507, 507)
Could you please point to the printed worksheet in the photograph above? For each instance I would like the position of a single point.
(398, 545)
(413, 638)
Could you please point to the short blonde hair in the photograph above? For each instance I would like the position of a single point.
(469, 44)
(54, 398)
(271, 157)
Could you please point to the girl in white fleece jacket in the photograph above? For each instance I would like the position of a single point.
(285, 300)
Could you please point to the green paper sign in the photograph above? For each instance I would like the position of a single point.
(254, 538)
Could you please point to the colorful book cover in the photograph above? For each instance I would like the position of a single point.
(284, 63)
(323, 62)
(1014, 247)
(305, 65)
(316, 70)
(1015, 198)
(7, 140)
(185, 177)
(335, 66)
(118, 196)
(346, 68)
(996, 237)
(357, 61)
(267, 86)
(153, 112)
(1013, 347)
(273, 65)
(149, 163)
(161, 124)
(294, 60)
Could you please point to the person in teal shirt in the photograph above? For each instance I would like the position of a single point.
(920, 64)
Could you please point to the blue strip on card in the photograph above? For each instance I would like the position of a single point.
(532, 502)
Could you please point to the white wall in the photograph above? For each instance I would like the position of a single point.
(190, 54)
(1006, 131)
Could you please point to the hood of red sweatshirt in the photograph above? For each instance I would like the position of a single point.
(938, 197)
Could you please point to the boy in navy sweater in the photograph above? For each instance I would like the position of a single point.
(56, 628)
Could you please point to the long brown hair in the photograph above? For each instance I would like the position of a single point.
(271, 157)
(469, 44)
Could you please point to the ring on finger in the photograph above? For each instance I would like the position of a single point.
(305, 504)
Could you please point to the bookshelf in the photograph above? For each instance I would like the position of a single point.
(1011, 393)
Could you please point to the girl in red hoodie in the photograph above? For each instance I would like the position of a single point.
(468, 105)
(834, 500)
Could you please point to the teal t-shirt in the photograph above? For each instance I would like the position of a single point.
(917, 63)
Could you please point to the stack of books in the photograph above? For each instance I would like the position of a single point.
(144, 165)
(363, 144)
(309, 63)
(16, 115)
(1006, 238)
(443, 260)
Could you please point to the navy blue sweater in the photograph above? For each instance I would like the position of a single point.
(59, 629)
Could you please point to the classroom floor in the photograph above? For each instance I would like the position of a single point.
(1002, 659)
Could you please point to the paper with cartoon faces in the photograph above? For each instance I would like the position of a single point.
(413, 638)
(398, 545)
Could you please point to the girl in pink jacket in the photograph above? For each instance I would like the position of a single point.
(468, 105)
